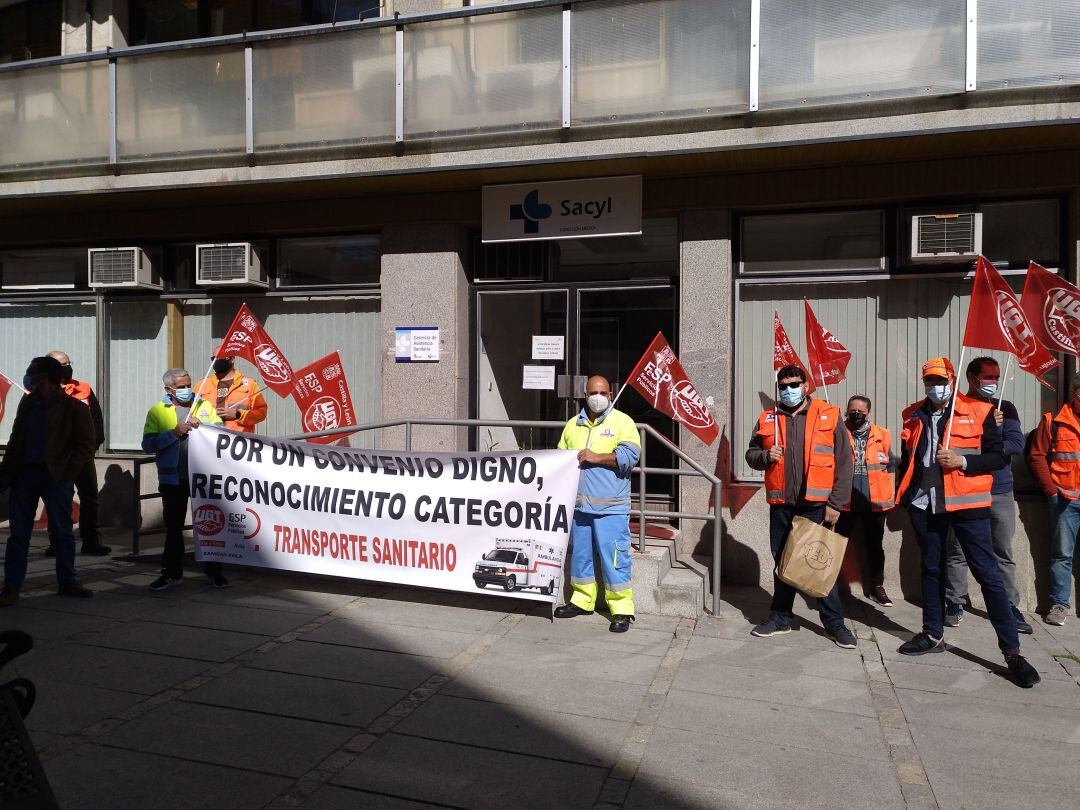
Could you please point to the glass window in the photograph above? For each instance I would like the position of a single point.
(328, 261)
(654, 253)
(136, 346)
(1019, 231)
(49, 268)
(163, 21)
(792, 243)
(30, 30)
(890, 326)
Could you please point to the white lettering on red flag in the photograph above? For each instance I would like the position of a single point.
(1052, 307)
(827, 356)
(248, 338)
(660, 378)
(322, 394)
(784, 353)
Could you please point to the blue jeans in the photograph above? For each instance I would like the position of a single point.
(780, 518)
(1064, 525)
(31, 484)
(973, 534)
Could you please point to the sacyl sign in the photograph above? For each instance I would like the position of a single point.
(564, 209)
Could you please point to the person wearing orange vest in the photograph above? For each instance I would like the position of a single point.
(804, 449)
(951, 447)
(86, 482)
(1054, 459)
(871, 491)
(235, 397)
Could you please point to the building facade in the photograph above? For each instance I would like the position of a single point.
(833, 151)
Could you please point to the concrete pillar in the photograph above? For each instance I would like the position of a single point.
(108, 23)
(424, 284)
(705, 339)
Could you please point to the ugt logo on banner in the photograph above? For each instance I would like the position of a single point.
(322, 394)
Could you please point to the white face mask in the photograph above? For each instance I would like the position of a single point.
(597, 403)
(938, 394)
(184, 395)
(988, 390)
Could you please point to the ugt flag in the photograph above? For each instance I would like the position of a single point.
(827, 356)
(784, 353)
(659, 377)
(322, 395)
(996, 321)
(248, 338)
(5, 386)
(1052, 307)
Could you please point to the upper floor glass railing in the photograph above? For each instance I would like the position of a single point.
(513, 68)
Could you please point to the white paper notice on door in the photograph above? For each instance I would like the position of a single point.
(547, 347)
(538, 378)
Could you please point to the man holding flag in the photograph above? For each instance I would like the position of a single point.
(235, 397)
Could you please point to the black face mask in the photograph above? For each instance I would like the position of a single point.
(856, 420)
(65, 372)
(222, 366)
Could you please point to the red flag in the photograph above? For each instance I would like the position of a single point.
(248, 338)
(322, 394)
(826, 355)
(659, 377)
(784, 353)
(996, 321)
(5, 386)
(1052, 307)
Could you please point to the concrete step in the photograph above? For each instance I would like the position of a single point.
(667, 584)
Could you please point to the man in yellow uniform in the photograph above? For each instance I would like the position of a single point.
(608, 445)
(236, 398)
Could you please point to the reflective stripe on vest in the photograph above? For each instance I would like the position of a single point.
(1064, 451)
(1067, 456)
(819, 461)
(877, 474)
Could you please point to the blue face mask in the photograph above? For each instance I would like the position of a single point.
(792, 396)
(184, 395)
(938, 394)
(28, 382)
(988, 390)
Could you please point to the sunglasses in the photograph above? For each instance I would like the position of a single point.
(793, 385)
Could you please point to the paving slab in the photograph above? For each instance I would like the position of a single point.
(461, 775)
(189, 613)
(443, 614)
(332, 797)
(1016, 721)
(354, 664)
(651, 792)
(766, 654)
(966, 791)
(143, 673)
(259, 742)
(981, 684)
(750, 773)
(520, 729)
(289, 599)
(808, 691)
(128, 605)
(775, 723)
(65, 708)
(199, 643)
(289, 695)
(591, 632)
(354, 631)
(50, 625)
(89, 776)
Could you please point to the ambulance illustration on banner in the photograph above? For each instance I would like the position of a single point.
(515, 565)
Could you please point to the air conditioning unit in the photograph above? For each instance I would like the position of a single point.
(946, 237)
(228, 264)
(122, 268)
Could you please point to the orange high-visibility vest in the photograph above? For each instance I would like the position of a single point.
(1063, 458)
(819, 463)
(242, 391)
(79, 390)
(963, 490)
(877, 468)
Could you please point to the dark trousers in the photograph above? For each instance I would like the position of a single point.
(973, 534)
(780, 517)
(174, 506)
(86, 484)
(32, 483)
(873, 535)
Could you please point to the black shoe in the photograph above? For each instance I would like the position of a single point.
(954, 614)
(165, 581)
(877, 594)
(50, 550)
(74, 589)
(95, 550)
(841, 637)
(775, 625)
(218, 580)
(922, 644)
(1022, 625)
(1022, 671)
(570, 610)
(620, 623)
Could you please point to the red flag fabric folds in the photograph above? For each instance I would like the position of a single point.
(1052, 307)
(784, 353)
(322, 394)
(826, 355)
(996, 321)
(660, 378)
(247, 338)
(5, 386)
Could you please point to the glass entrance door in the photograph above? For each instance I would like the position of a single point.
(510, 382)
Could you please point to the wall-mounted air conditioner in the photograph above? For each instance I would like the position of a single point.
(946, 237)
(228, 264)
(121, 268)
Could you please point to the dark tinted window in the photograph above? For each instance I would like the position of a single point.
(328, 260)
(30, 30)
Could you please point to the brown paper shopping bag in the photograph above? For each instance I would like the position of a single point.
(812, 557)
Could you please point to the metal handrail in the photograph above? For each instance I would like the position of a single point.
(643, 430)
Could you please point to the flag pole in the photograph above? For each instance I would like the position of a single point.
(195, 401)
(952, 401)
(824, 387)
(623, 388)
(1005, 376)
(16, 384)
(776, 412)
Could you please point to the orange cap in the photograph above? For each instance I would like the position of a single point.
(938, 367)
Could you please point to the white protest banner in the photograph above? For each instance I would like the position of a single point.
(495, 523)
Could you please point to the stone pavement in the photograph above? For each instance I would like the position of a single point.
(290, 691)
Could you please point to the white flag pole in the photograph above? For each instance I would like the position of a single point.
(16, 384)
(952, 401)
(824, 387)
(623, 388)
(1005, 376)
(195, 401)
